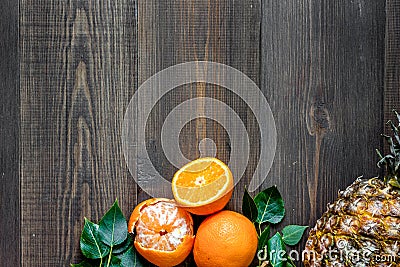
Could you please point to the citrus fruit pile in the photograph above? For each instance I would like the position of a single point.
(163, 228)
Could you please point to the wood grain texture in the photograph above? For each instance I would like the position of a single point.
(78, 72)
(392, 63)
(322, 71)
(175, 31)
(321, 65)
(172, 32)
(9, 132)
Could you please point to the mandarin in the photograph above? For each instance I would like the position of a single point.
(163, 231)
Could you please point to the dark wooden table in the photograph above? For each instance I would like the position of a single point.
(68, 69)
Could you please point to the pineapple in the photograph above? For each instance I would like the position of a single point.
(362, 227)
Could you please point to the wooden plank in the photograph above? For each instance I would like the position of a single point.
(78, 73)
(172, 32)
(392, 63)
(9, 131)
(322, 71)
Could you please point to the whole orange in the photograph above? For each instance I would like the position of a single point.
(223, 239)
(163, 231)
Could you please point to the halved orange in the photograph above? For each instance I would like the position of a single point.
(203, 186)
(163, 231)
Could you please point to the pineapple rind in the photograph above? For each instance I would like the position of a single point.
(363, 221)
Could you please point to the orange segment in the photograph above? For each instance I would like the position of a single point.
(198, 194)
(163, 232)
(162, 226)
(203, 186)
(199, 174)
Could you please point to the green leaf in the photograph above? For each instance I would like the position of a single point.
(276, 250)
(121, 248)
(270, 206)
(113, 229)
(393, 182)
(83, 264)
(289, 262)
(90, 243)
(114, 262)
(130, 259)
(292, 234)
(249, 207)
(262, 240)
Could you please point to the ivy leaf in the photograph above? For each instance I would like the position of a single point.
(83, 264)
(130, 259)
(262, 240)
(123, 247)
(90, 243)
(288, 264)
(270, 206)
(276, 251)
(113, 229)
(292, 234)
(249, 207)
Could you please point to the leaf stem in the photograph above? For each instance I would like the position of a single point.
(109, 256)
(290, 260)
(259, 235)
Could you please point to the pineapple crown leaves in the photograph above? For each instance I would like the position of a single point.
(391, 161)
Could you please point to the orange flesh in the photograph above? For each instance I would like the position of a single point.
(200, 175)
(204, 193)
(162, 226)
